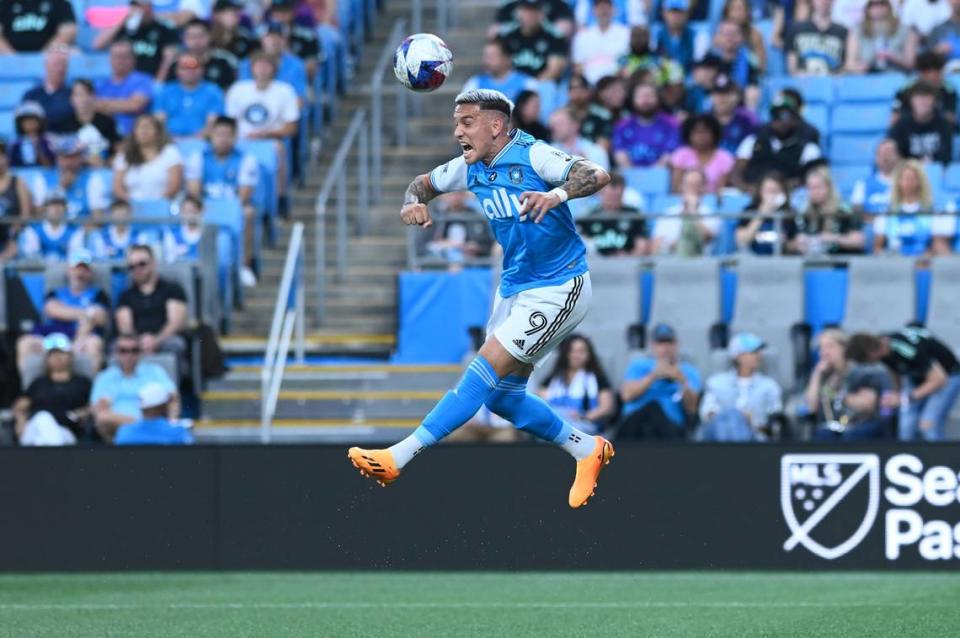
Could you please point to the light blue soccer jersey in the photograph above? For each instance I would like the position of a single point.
(534, 255)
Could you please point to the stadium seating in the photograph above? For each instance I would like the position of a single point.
(650, 181)
(848, 149)
(878, 88)
(860, 118)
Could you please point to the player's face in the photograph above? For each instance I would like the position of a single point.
(476, 131)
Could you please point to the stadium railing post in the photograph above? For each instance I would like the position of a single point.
(376, 107)
(320, 266)
(416, 17)
(363, 157)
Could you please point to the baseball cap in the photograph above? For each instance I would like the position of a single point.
(30, 108)
(784, 103)
(56, 341)
(744, 342)
(663, 333)
(69, 145)
(723, 84)
(55, 196)
(676, 5)
(153, 395)
(80, 256)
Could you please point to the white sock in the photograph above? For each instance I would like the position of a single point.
(404, 451)
(579, 444)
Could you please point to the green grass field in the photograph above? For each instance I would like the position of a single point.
(390, 604)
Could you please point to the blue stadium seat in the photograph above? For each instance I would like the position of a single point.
(651, 181)
(951, 178)
(663, 202)
(846, 177)
(22, 66)
(869, 88)
(12, 92)
(152, 208)
(7, 129)
(852, 149)
(190, 146)
(815, 89)
(819, 116)
(731, 203)
(860, 118)
(935, 173)
(92, 66)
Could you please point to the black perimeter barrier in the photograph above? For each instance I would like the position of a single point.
(481, 507)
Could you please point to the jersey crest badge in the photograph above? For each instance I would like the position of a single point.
(516, 175)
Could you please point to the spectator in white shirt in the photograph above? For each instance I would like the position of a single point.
(149, 166)
(924, 15)
(685, 228)
(597, 49)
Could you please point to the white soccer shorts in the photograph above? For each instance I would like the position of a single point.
(531, 323)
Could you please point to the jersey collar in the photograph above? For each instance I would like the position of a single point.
(514, 134)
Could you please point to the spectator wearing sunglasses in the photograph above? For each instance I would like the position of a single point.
(115, 398)
(152, 307)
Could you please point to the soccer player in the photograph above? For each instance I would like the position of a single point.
(544, 290)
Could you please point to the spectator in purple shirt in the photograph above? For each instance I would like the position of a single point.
(126, 93)
(736, 122)
(647, 136)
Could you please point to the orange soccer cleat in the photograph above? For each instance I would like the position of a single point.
(588, 470)
(375, 464)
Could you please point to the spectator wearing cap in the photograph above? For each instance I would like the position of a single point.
(817, 46)
(499, 73)
(14, 204)
(677, 40)
(648, 135)
(660, 392)
(54, 409)
(189, 105)
(926, 371)
(805, 130)
(87, 193)
(701, 151)
(275, 41)
(150, 167)
(302, 39)
(29, 26)
(687, 228)
(228, 33)
(923, 133)
(95, 132)
(219, 67)
(79, 311)
(536, 47)
(127, 93)
(153, 42)
(152, 307)
(604, 111)
(879, 43)
(871, 195)
(597, 49)
(32, 146)
(930, 71)
(780, 146)
(155, 427)
(738, 404)
(111, 241)
(736, 122)
(557, 13)
(52, 93)
(115, 397)
(735, 59)
(52, 239)
(622, 231)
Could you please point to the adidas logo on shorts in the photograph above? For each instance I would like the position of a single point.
(519, 343)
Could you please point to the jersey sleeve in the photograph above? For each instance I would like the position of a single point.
(552, 164)
(450, 177)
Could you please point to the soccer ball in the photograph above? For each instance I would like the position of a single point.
(422, 62)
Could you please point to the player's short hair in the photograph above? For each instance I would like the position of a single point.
(487, 100)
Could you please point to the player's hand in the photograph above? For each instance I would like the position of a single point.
(538, 204)
(416, 215)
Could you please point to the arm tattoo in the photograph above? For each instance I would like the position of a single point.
(419, 191)
(585, 178)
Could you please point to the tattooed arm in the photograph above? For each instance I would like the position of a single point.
(584, 179)
(415, 211)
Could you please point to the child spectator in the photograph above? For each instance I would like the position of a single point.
(53, 238)
(181, 242)
(660, 393)
(759, 231)
(738, 404)
(87, 193)
(930, 71)
(906, 228)
(149, 167)
(826, 225)
(647, 136)
(878, 44)
(597, 49)
(577, 387)
(189, 105)
(32, 147)
(610, 97)
(817, 46)
(111, 241)
(701, 151)
(526, 115)
(499, 73)
(686, 229)
(872, 194)
(611, 237)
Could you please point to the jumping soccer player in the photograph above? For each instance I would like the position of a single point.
(544, 290)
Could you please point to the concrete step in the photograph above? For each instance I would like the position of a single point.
(360, 431)
(350, 377)
(324, 404)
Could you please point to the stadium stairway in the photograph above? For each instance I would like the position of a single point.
(375, 400)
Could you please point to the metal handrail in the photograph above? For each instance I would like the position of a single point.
(337, 177)
(376, 105)
(285, 321)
